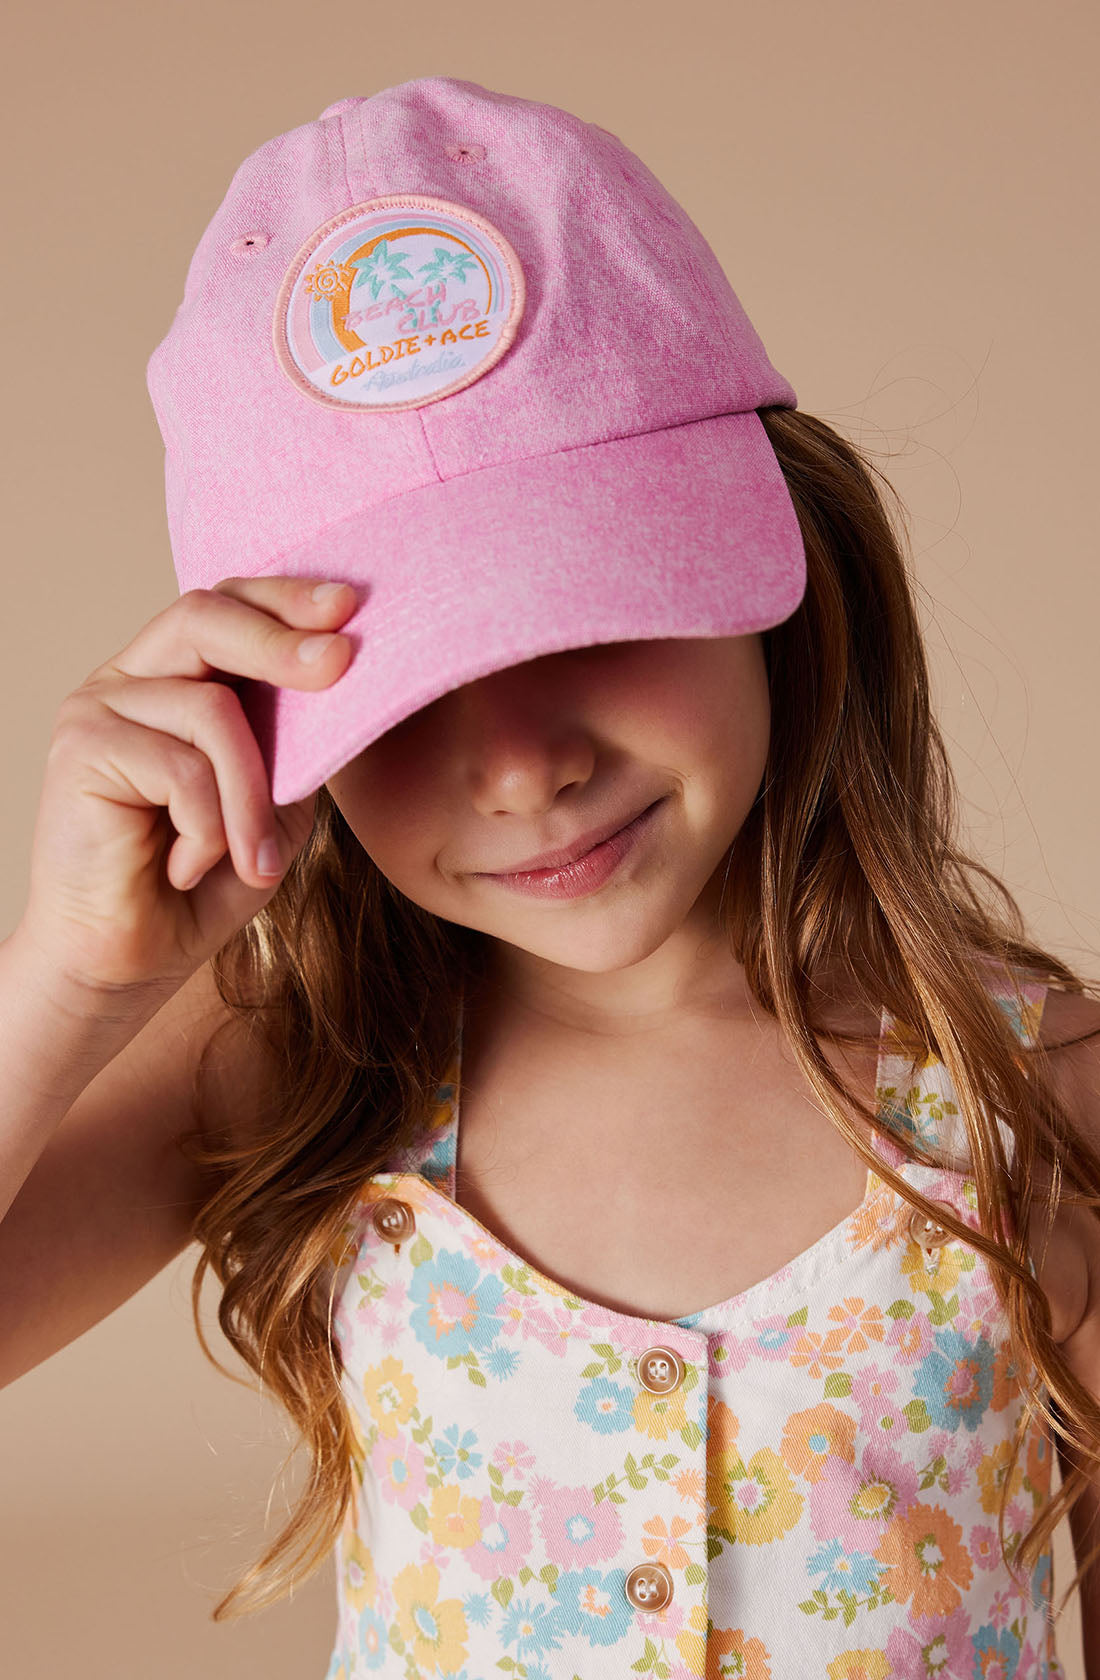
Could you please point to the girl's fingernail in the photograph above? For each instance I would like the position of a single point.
(268, 861)
(311, 650)
(325, 591)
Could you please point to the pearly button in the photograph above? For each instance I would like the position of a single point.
(930, 1235)
(649, 1586)
(660, 1370)
(393, 1220)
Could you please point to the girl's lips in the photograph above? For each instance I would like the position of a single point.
(587, 873)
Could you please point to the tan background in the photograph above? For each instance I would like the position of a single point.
(901, 196)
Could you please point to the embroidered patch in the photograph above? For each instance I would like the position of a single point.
(397, 302)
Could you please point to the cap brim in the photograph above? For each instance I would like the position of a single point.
(688, 531)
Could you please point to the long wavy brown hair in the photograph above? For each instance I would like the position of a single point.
(848, 862)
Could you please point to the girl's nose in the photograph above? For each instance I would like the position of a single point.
(521, 742)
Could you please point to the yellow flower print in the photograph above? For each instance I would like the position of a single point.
(390, 1392)
(659, 1415)
(754, 1503)
(859, 1665)
(993, 1473)
(663, 1541)
(434, 1630)
(360, 1575)
(691, 1641)
(811, 1438)
(732, 1655)
(944, 1280)
(455, 1517)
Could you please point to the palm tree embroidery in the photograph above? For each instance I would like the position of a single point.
(382, 266)
(448, 265)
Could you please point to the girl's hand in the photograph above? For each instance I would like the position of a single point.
(156, 838)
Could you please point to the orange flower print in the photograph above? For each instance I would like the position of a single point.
(993, 1472)
(1039, 1463)
(663, 1541)
(732, 1655)
(925, 1560)
(860, 1665)
(811, 1438)
(1006, 1380)
(689, 1485)
(811, 1351)
(858, 1326)
(722, 1426)
(882, 1220)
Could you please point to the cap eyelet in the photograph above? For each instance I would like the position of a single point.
(249, 242)
(465, 151)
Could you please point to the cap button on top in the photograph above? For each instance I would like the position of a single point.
(649, 1586)
(393, 1220)
(660, 1370)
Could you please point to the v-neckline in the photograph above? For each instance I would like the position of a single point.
(445, 1148)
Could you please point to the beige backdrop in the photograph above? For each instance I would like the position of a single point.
(902, 197)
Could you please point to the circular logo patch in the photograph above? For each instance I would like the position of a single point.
(397, 302)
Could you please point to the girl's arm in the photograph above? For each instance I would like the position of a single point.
(91, 1110)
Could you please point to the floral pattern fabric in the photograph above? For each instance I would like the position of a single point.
(822, 1486)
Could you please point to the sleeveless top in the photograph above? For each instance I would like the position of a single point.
(802, 1479)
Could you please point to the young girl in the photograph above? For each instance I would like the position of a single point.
(508, 910)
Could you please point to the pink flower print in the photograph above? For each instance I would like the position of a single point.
(809, 1350)
(504, 1543)
(873, 1390)
(513, 1456)
(855, 1502)
(550, 1327)
(773, 1337)
(576, 1530)
(857, 1325)
(911, 1338)
(391, 1333)
(984, 1547)
(366, 1313)
(399, 1467)
(660, 1624)
(394, 1296)
(932, 1648)
(662, 1541)
(1000, 1611)
(731, 1353)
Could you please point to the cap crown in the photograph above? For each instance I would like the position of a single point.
(629, 324)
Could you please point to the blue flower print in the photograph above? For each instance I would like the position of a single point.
(955, 1381)
(477, 1608)
(1002, 1644)
(373, 1639)
(532, 1627)
(594, 1603)
(452, 1452)
(608, 1407)
(456, 1306)
(843, 1571)
(500, 1362)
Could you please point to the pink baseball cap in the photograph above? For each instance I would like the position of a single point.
(464, 352)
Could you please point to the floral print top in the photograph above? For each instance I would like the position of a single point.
(801, 1480)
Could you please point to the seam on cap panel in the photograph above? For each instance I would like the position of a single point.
(428, 446)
